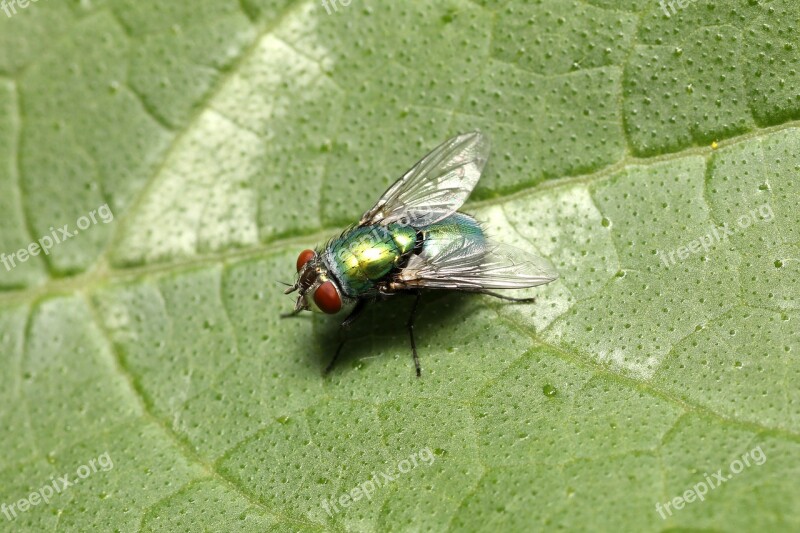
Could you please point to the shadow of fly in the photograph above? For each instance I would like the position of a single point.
(414, 239)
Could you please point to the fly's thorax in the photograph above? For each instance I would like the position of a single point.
(364, 255)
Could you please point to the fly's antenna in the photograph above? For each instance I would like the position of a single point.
(291, 288)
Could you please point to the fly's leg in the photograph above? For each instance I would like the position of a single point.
(410, 326)
(509, 298)
(335, 357)
(354, 314)
(293, 313)
(343, 327)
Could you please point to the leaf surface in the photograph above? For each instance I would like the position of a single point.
(652, 159)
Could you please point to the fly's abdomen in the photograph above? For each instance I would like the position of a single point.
(458, 228)
(363, 256)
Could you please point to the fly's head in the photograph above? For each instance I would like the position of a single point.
(318, 290)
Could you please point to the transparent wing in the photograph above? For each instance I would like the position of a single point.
(469, 265)
(436, 186)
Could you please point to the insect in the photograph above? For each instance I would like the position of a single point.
(414, 239)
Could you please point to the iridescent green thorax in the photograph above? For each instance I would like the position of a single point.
(364, 256)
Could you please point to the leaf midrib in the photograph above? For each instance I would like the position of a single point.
(102, 272)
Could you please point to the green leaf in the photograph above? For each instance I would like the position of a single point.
(652, 159)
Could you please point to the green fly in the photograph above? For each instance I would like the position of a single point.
(414, 239)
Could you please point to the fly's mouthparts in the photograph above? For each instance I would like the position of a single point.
(300, 305)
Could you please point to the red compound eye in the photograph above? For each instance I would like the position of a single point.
(304, 257)
(327, 298)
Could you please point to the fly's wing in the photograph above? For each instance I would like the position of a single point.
(468, 265)
(435, 187)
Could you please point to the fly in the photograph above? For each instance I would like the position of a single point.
(414, 239)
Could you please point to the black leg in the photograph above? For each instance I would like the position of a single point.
(410, 325)
(509, 298)
(354, 314)
(335, 356)
(293, 313)
(346, 323)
